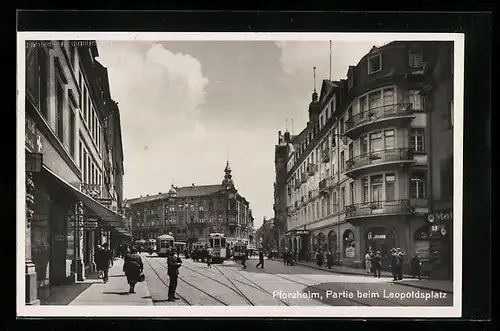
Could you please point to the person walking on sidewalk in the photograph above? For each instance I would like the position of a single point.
(329, 259)
(416, 266)
(261, 260)
(376, 264)
(400, 265)
(394, 263)
(368, 263)
(104, 260)
(133, 268)
(174, 264)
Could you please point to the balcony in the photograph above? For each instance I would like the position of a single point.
(381, 160)
(323, 185)
(380, 117)
(312, 169)
(325, 155)
(92, 190)
(378, 208)
(303, 177)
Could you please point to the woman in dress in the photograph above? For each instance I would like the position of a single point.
(133, 268)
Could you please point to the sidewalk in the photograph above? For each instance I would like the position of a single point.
(115, 291)
(408, 280)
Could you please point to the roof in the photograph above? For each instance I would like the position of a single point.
(182, 192)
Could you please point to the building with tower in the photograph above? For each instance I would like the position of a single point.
(190, 213)
(372, 169)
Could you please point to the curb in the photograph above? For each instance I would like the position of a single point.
(424, 287)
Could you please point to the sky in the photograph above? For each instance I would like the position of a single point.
(187, 107)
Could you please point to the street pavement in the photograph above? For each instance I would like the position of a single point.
(228, 284)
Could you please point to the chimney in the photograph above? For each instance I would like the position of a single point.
(159, 192)
(315, 96)
(287, 137)
(192, 184)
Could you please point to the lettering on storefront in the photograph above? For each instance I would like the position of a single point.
(440, 216)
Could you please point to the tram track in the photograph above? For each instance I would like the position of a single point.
(259, 287)
(238, 290)
(197, 288)
(165, 283)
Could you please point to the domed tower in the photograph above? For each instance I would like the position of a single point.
(227, 182)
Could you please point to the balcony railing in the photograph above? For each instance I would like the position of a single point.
(379, 113)
(377, 208)
(312, 169)
(379, 157)
(323, 185)
(93, 190)
(325, 155)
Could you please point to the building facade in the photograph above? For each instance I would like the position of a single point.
(65, 115)
(367, 172)
(191, 213)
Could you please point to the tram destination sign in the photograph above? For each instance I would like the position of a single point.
(34, 162)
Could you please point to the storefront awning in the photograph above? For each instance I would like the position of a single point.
(107, 217)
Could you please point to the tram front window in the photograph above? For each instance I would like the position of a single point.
(211, 241)
(217, 242)
(223, 242)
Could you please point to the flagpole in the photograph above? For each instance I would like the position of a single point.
(330, 60)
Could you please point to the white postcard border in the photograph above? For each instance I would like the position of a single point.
(237, 311)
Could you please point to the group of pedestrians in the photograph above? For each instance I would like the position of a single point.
(373, 263)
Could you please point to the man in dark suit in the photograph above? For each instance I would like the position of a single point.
(261, 259)
(174, 264)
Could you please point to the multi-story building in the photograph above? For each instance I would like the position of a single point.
(66, 127)
(366, 172)
(190, 213)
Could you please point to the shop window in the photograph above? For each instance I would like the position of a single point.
(349, 244)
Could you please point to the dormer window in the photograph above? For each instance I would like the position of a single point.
(374, 64)
(415, 59)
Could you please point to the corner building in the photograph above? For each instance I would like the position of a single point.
(375, 160)
(191, 213)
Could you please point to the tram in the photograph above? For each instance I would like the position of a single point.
(164, 243)
(180, 246)
(239, 250)
(217, 244)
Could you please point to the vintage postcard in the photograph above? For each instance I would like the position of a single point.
(240, 174)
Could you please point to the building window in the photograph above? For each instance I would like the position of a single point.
(389, 142)
(364, 145)
(80, 156)
(351, 150)
(342, 160)
(376, 143)
(341, 120)
(349, 113)
(365, 196)
(342, 198)
(374, 64)
(376, 188)
(84, 161)
(363, 106)
(417, 140)
(415, 100)
(72, 124)
(200, 208)
(353, 193)
(59, 110)
(374, 100)
(390, 192)
(37, 64)
(388, 97)
(417, 185)
(415, 59)
(85, 110)
(71, 54)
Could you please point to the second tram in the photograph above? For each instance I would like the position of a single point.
(163, 244)
(239, 250)
(180, 246)
(217, 244)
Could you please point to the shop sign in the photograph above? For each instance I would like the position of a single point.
(350, 252)
(301, 232)
(34, 162)
(371, 236)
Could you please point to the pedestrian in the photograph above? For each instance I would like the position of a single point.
(329, 259)
(261, 260)
(244, 260)
(416, 266)
(209, 258)
(400, 265)
(285, 257)
(368, 263)
(104, 260)
(394, 264)
(376, 264)
(133, 268)
(173, 273)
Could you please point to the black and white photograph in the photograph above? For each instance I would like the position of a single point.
(239, 174)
